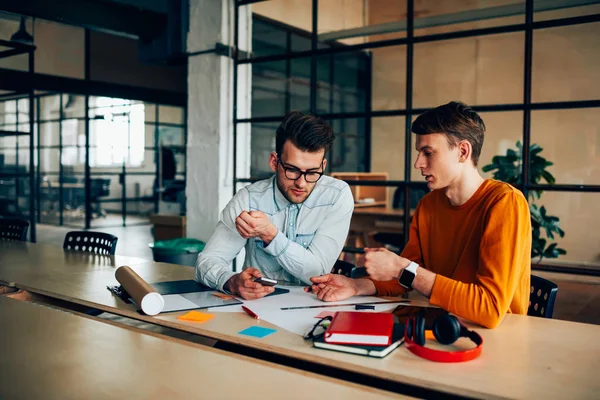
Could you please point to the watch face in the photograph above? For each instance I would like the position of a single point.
(406, 279)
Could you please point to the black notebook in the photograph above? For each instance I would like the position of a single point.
(178, 287)
(371, 351)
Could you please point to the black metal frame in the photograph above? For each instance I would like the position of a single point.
(22, 83)
(528, 27)
(18, 49)
(124, 172)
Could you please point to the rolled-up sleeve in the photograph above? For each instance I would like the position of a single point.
(318, 258)
(213, 266)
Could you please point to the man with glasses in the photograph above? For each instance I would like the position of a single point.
(292, 225)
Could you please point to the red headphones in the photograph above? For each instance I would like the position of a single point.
(446, 329)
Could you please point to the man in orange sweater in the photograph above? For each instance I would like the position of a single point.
(469, 249)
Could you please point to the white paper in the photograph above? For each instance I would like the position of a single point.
(176, 302)
(297, 297)
(301, 320)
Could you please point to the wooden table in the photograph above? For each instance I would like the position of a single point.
(524, 357)
(46, 259)
(49, 354)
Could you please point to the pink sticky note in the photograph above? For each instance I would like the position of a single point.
(325, 314)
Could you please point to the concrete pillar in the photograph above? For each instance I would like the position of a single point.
(210, 117)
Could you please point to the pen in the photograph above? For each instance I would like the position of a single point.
(344, 305)
(250, 312)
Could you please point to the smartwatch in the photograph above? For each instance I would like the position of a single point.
(407, 276)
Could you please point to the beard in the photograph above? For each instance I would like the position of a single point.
(289, 194)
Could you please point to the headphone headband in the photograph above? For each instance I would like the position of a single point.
(441, 355)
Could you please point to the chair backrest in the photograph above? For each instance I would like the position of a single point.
(342, 267)
(348, 269)
(416, 194)
(99, 187)
(91, 242)
(541, 297)
(14, 229)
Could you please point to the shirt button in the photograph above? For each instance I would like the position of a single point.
(304, 243)
(291, 224)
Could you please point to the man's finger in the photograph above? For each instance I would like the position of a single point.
(264, 290)
(252, 296)
(243, 213)
(320, 278)
(253, 272)
(257, 214)
(323, 293)
(239, 222)
(252, 290)
(247, 218)
(330, 296)
(240, 228)
(243, 232)
(316, 289)
(249, 283)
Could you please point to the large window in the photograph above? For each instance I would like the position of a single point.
(137, 159)
(370, 67)
(117, 132)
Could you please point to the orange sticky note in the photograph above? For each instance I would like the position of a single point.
(223, 296)
(196, 316)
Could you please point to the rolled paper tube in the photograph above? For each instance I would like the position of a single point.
(150, 301)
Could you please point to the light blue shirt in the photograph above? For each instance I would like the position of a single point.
(310, 238)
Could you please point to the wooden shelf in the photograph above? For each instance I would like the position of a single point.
(377, 194)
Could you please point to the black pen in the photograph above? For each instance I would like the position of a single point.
(342, 305)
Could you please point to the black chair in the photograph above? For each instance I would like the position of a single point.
(541, 298)
(91, 242)
(14, 229)
(342, 267)
(99, 188)
(348, 269)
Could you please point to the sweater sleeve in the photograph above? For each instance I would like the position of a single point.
(412, 251)
(505, 251)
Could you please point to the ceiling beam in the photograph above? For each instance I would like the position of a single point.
(114, 17)
(22, 81)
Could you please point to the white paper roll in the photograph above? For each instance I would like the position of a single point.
(153, 303)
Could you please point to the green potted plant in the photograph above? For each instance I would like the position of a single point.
(507, 168)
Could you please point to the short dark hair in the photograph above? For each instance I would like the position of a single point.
(457, 121)
(305, 131)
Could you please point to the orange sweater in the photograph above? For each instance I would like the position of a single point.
(480, 251)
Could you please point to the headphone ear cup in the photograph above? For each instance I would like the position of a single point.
(410, 323)
(446, 329)
(419, 328)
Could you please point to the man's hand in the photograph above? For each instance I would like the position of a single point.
(255, 224)
(242, 285)
(334, 287)
(382, 264)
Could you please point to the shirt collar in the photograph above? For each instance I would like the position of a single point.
(280, 201)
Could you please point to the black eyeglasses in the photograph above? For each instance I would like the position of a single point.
(319, 329)
(293, 173)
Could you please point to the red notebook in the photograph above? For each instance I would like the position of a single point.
(361, 328)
